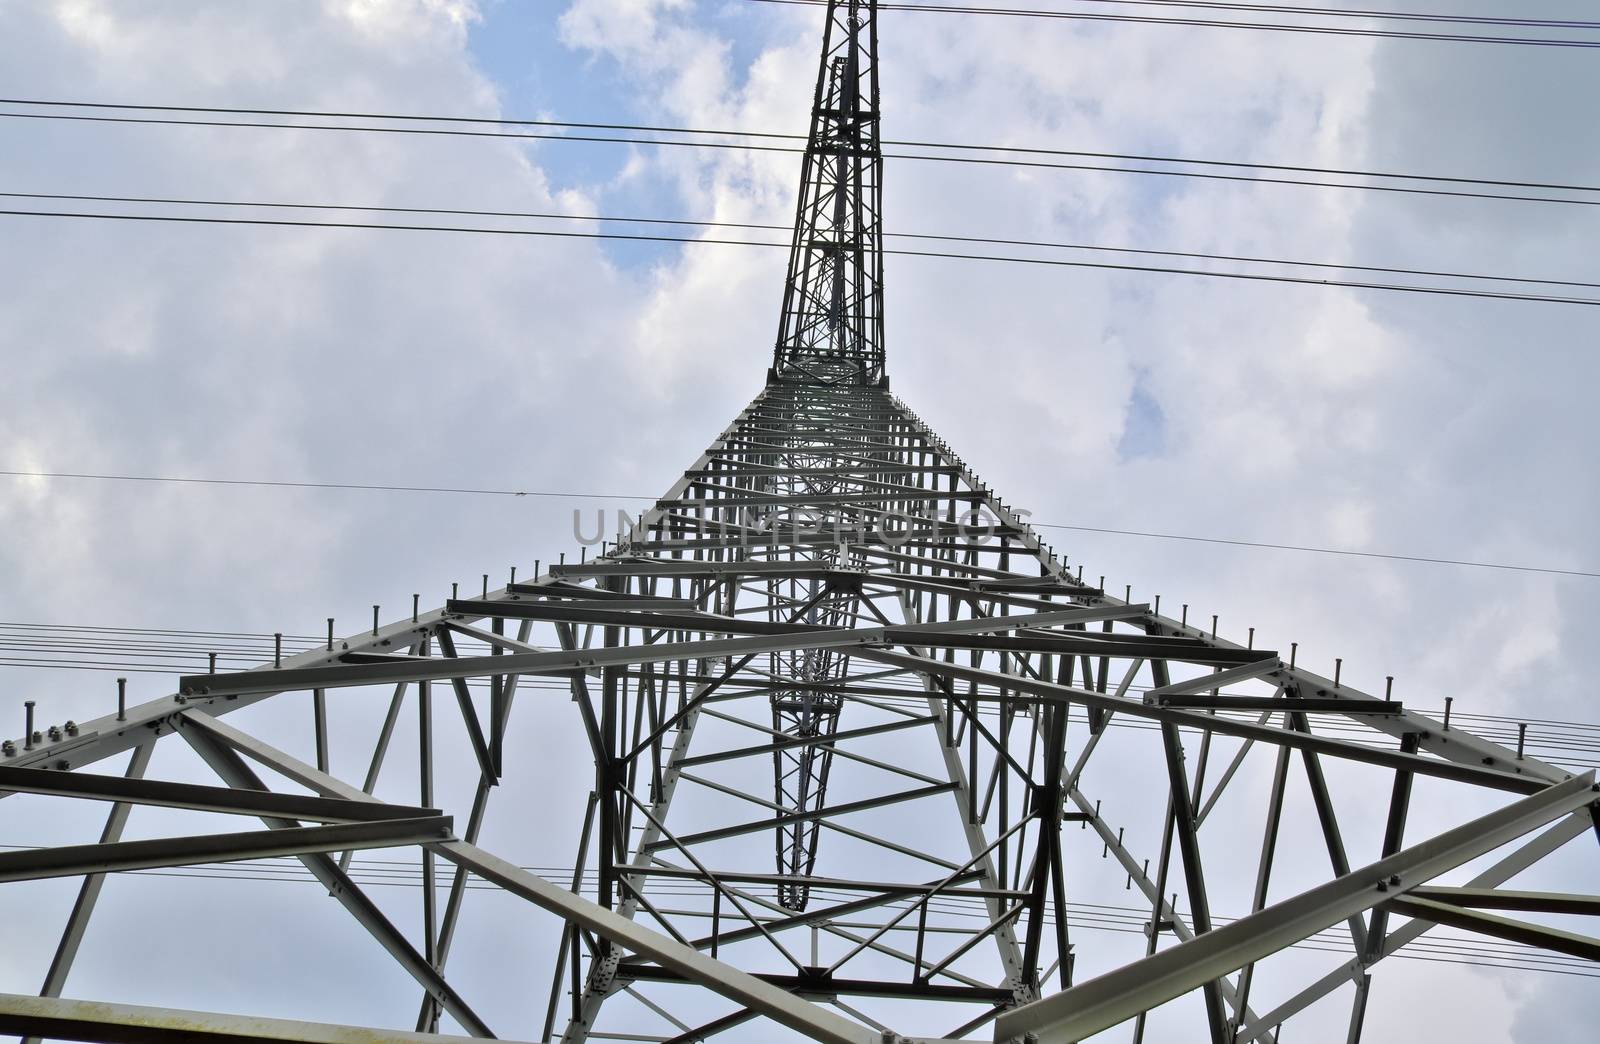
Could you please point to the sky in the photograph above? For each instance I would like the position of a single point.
(1305, 415)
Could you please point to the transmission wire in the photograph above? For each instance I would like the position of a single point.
(948, 255)
(615, 219)
(601, 496)
(507, 121)
(1034, 164)
(1085, 16)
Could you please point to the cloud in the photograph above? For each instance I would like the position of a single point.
(1291, 414)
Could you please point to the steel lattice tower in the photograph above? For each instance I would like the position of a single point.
(844, 710)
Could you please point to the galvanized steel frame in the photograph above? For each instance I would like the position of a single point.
(825, 557)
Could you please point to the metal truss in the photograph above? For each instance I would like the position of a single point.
(850, 726)
(830, 328)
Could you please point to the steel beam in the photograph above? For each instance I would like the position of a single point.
(76, 860)
(55, 1018)
(1103, 1002)
(1541, 936)
(202, 798)
(765, 998)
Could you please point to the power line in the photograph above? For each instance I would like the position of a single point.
(601, 496)
(615, 219)
(1340, 12)
(741, 146)
(1256, 277)
(1439, 946)
(326, 485)
(656, 129)
(1313, 550)
(1282, 27)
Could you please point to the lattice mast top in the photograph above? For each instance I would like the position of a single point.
(830, 329)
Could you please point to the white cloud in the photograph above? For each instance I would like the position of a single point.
(1297, 415)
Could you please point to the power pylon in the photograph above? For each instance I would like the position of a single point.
(866, 753)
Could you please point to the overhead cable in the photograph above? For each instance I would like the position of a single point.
(987, 161)
(600, 496)
(1257, 277)
(616, 219)
(1281, 27)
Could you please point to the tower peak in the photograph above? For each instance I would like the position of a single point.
(830, 329)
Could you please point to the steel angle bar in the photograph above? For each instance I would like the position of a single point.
(444, 668)
(830, 824)
(1228, 773)
(835, 884)
(55, 1018)
(825, 986)
(684, 568)
(712, 1028)
(1262, 1029)
(604, 613)
(1271, 704)
(115, 733)
(489, 637)
(219, 746)
(711, 879)
(839, 809)
(776, 1003)
(1138, 875)
(806, 918)
(911, 632)
(1541, 936)
(1452, 744)
(1227, 726)
(201, 798)
(89, 892)
(562, 589)
(428, 1015)
(1504, 899)
(788, 742)
(1219, 680)
(835, 929)
(1022, 980)
(1103, 1002)
(74, 860)
(1193, 868)
(722, 978)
